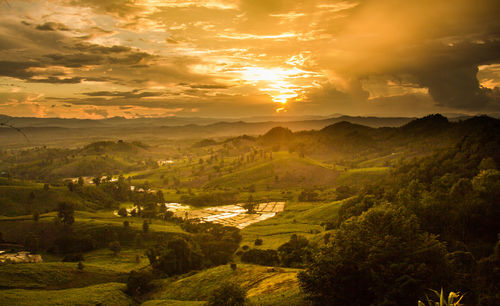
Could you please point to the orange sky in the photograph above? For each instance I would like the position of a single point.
(221, 58)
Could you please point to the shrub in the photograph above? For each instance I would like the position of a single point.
(228, 294)
(122, 212)
(138, 282)
(115, 247)
(176, 256)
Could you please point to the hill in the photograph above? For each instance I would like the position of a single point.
(264, 285)
(103, 294)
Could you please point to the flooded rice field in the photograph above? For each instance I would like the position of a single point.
(231, 215)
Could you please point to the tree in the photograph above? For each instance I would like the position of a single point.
(176, 256)
(379, 257)
(308, 196)
(115, 247)
(296, 252)
(32, 243)
(250, 205)
(65, 212)
(228, 294)
(138, 282)
(160, 197)
(133, 212)
(139, 241)
(97, 180)
(122, 212)
(145, 226)
(36, 216)
(487, 163)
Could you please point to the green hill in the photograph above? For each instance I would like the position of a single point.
(54, 275)
(284, 171)
(102, 294)
(303, 219)
(264, 285)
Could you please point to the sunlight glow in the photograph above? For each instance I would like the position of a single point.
(281, 84)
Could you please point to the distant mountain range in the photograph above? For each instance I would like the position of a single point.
(311, 122)
(59, 131)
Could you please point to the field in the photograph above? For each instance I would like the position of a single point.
(229, 215)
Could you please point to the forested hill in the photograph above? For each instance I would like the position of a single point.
(345, 139)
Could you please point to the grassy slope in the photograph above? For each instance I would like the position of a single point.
(124, 262)
(362, 176)
(264, 285)
(103, 294)
(298, 218)
(55, 275)
(291, 171)
(16, 200)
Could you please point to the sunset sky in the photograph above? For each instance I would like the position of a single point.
(218, 58)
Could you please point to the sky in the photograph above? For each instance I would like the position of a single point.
(218, 58)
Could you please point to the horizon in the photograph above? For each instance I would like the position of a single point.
(237, 59)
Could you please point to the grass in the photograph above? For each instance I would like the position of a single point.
(103, 218)
(298, 218)
(361, 176)
(55, 275)
(124, 262)
(103, 294)
(21, 200)
(382, 161)
(290, 170)
(264, 285)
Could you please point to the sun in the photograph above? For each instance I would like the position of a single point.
(281, 84)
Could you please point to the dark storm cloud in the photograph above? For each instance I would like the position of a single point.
(439, 43)
(18, 70)
(451, 77)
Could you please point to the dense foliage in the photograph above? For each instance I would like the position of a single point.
(210, 245)
(425, 227)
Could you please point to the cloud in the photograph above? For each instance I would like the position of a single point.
(209, 86)
(360, 56)
(124, 94)
(97, 112)
(438, 43)
(51, 26)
